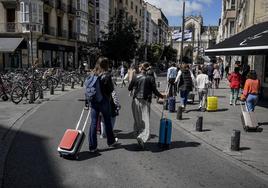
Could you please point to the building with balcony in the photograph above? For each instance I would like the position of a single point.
(101, 18)
(57, 29)
(242, 37)
(133, 10)
(160, 19)
(91, 21)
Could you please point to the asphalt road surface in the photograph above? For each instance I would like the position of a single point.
(33, 160)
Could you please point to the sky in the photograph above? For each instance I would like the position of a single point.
(209, 9)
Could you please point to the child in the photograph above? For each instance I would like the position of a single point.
(202, 83)
(235, 81)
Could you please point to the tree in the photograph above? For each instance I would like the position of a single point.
(154, 53)
(121, 42)
(170, 54)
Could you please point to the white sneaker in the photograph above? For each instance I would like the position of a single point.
(140, 142)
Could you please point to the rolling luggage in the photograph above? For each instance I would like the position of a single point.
(165, 132)
(171, 104)
(249, 120)
(73, 139)
(212, 102)
(190, 99)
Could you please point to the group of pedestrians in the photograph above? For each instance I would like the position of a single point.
(183, 81)
(243, 83)
(105, 104)
(246, 84)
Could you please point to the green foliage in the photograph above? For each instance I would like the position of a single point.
(154, 53)
(121, 42)
(170, 54)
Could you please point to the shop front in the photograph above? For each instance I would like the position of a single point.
(57, 55)
(251, 46)
(11, 50)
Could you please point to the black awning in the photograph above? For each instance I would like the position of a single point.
(251, 41)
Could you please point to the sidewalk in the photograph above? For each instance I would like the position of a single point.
(218, 128)
(12, 116)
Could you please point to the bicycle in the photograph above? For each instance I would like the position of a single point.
(19, 92)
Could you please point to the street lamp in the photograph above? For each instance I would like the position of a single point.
(182, 31)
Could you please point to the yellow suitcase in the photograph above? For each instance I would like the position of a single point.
(212, 103)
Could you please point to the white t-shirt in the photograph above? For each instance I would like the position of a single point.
(202, 81)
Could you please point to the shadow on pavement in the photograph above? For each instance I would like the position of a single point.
(85, 155)
(154, 148)
(131, 135)
(28, 162)
(263, 123)
(220, 110)
(117, 131)
(244, 148)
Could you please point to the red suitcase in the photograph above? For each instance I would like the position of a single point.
(72, 139)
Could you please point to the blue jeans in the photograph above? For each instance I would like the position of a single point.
(105, 108)
(184, 97)
(251, 102)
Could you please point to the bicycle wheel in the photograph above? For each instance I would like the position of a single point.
(36, 91)
(16, 94)
(44, 84)
(52, 82)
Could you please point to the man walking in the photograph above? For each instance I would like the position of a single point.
(143, 86)
(171, 76)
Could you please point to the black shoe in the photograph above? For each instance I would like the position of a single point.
(115, 142)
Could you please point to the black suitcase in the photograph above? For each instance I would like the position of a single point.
(171, 104)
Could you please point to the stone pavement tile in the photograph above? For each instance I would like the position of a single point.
(218, 128)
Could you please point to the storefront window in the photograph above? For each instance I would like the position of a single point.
(266, 70)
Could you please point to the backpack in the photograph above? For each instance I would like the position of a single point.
(186, 82)
(92, 89)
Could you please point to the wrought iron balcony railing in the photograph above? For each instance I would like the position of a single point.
(10, 27)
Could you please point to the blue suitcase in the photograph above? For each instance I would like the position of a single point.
(171, 104)
(165, 132)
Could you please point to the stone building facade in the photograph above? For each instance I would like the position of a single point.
(200, 38)
(238, 15)
(57, 29)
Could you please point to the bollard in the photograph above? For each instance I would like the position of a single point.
(62, 87)
(199, 124)
(31, 99)
(41, 93)
(82, 84)
(235, 140)
(51, 90)
(179, 113)
(158, 84)
(72, 86)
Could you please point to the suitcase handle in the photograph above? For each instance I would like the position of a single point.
(242, 106)
(164, 103)
(81, 116)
